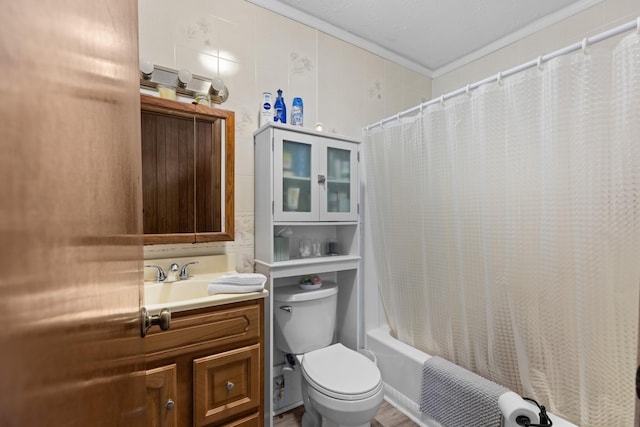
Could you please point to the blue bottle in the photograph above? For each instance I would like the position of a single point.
(280, 109)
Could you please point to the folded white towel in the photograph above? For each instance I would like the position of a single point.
(216, 288)
(237, 283)
(241, 279)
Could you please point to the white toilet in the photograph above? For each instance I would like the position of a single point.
(340, 387)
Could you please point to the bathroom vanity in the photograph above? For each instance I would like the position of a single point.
(306, 223)
(207, 369)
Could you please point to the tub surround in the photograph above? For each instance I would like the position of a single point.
(401, 369)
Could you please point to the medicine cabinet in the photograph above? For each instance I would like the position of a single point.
(187, 172)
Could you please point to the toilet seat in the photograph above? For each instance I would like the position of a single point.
(341, 373)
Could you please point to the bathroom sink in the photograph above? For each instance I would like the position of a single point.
(187, 294)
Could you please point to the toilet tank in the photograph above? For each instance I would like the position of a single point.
(305, 320)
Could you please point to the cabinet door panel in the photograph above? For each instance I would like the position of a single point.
(168, 173)
(226, 385)
(162, 404)
(339, 195)
(295, 177)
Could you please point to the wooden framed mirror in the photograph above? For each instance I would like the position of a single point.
(187, 172)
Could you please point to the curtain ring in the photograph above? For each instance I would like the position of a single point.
(468, 90)
(398, 116)
(499, 78)
(442, 99)
(585, 42)
(638, 25)
(539, 62)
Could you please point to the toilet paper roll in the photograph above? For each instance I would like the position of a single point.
(513, 406)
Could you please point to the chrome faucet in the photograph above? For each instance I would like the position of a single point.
(184, 272)
(161, 276)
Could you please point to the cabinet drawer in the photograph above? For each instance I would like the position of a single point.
(226, 385)
(250, 421)
(218, 328)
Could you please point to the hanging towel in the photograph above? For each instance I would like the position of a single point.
(457, 397)
(237, 283)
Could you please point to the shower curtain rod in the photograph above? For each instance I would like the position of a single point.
(536, 62)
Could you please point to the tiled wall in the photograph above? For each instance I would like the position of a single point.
(343, 86)
(603, 16)
(255, 50)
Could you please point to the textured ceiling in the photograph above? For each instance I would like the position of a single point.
(428, 35)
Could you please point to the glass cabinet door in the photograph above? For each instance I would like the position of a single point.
(295, 185)
(315, 178)
(339, 201)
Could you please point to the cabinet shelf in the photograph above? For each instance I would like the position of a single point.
(303, 266)
(296, 178)
(312, 223)
(309, 261)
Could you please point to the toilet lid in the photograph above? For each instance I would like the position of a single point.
(341, 373)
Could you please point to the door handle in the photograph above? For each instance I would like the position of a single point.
(146, 320)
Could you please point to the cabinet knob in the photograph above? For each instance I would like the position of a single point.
(170, 404)
(229, 386)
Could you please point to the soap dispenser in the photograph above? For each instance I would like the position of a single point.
(281, 110)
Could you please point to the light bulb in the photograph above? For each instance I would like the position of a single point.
(146, 68)
(217, 84)
(184, 77)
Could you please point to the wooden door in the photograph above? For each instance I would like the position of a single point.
(70, 223)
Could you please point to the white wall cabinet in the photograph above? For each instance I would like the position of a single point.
(307, 188)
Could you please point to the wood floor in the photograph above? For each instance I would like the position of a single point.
(387, 416)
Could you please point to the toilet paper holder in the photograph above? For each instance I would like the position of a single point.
(545, 421)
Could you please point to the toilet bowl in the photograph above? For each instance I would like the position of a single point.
(340, 387)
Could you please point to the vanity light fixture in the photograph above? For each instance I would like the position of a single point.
(185, 83)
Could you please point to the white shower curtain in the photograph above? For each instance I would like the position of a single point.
(506, 230)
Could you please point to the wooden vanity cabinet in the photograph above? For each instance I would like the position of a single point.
(207, 369)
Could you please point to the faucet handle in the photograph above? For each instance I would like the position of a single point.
(161, 276)
(184, 272)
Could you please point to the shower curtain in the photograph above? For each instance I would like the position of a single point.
(506, 229)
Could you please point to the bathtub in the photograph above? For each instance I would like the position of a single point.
(401, 369)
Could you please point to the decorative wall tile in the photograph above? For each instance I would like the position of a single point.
(255, 50)
(300, 64)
